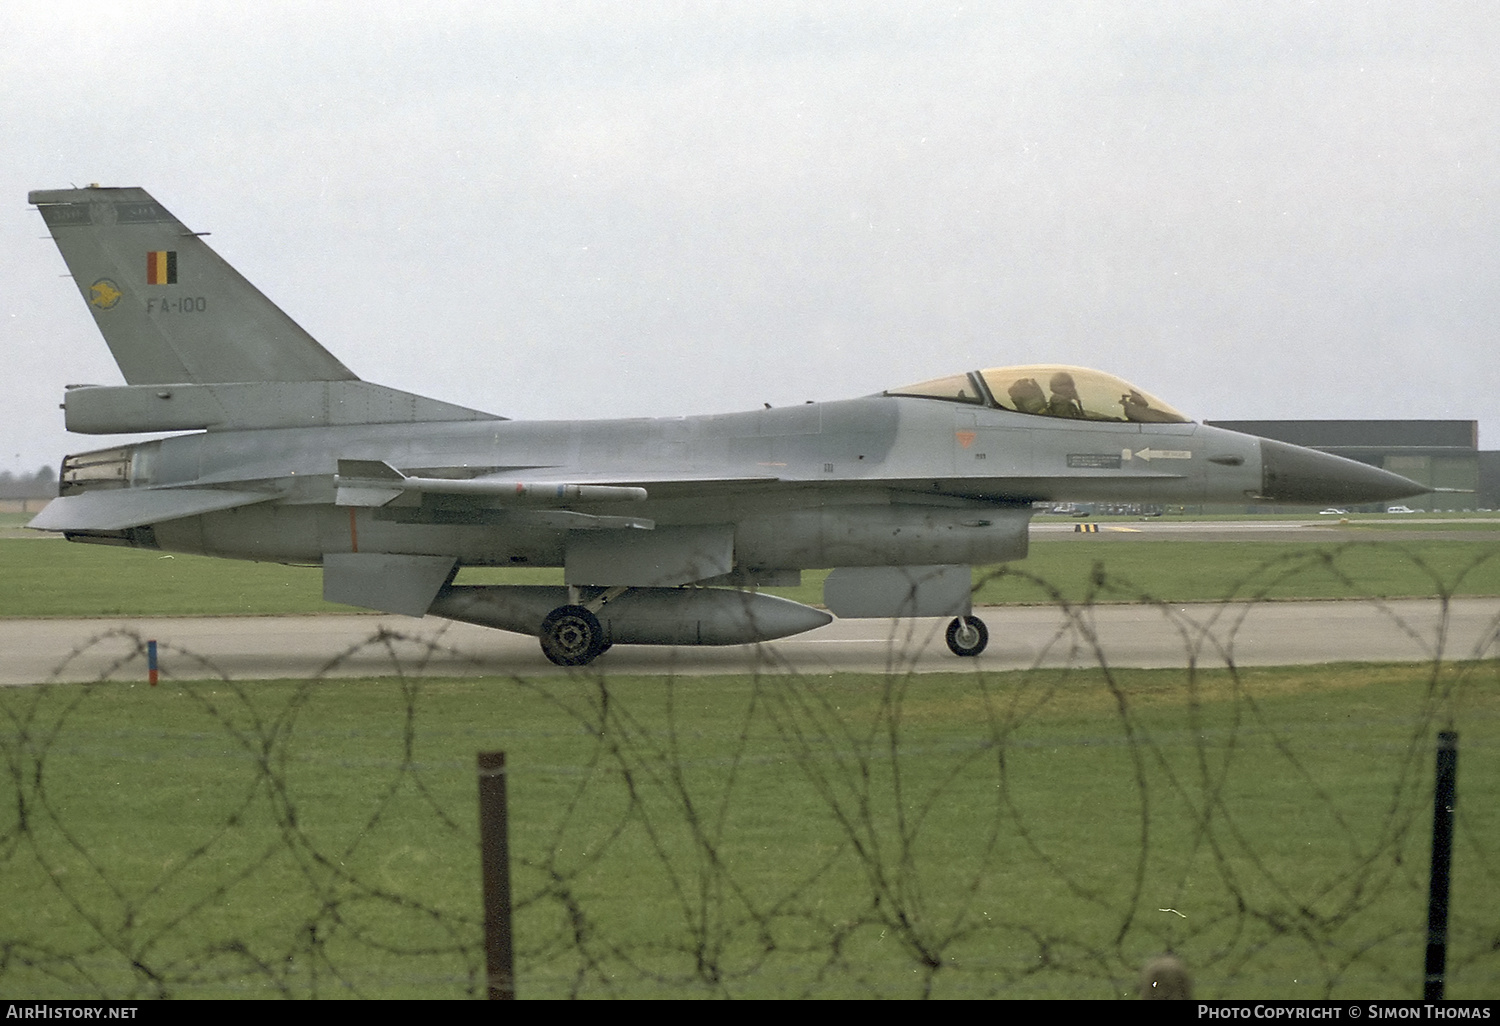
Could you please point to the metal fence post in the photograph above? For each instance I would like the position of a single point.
(494, 860)
(1444, 795)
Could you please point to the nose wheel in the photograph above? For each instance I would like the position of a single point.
(571, 636)
(967, 636)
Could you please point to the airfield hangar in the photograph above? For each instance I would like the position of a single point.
(1437, 453)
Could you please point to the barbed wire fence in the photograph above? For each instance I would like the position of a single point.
(1041, 833)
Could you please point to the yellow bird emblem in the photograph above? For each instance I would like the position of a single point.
(104, 294)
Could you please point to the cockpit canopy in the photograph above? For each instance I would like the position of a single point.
(1047, 390)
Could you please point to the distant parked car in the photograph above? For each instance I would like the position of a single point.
(1399, 509)
(1333, 512)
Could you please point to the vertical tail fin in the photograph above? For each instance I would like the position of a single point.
(169, 307)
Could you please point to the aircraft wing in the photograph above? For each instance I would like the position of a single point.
(115, 509)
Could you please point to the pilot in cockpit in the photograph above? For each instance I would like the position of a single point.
(1064, 401)
(1026, 396)
(1139, 411)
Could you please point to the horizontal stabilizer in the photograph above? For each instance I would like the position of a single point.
(105, 410)
(115, 509)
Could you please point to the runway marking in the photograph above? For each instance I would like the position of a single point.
(823, 641)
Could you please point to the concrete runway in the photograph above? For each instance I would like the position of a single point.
(1274, 633)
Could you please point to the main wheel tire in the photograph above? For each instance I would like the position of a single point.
(967, 636)
(571, 636)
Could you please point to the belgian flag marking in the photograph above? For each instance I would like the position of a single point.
(161, 267)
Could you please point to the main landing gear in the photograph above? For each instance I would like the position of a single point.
(572, 636)
(967, 636)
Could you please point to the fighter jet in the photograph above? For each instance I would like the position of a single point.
(664, 528)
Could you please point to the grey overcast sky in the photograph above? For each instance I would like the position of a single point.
(556, 210)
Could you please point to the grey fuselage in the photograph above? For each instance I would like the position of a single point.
(873, 481)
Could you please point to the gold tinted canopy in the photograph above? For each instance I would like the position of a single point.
(1050, 390)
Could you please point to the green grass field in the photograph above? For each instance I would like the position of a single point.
(51, 578)
(1030, 834)
(1012, 835)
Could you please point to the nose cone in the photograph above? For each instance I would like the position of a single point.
(1292, 474)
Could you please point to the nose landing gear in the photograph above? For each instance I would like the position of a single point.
(967, 636)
